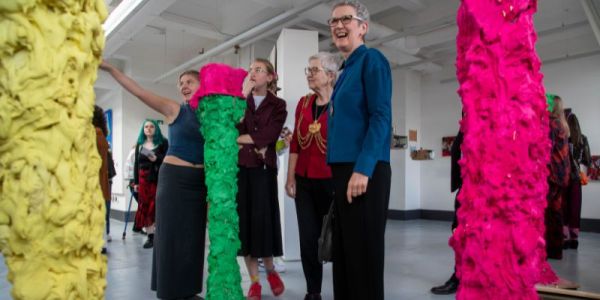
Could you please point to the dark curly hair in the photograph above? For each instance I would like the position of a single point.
(99, 120)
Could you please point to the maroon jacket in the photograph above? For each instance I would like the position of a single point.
(264, 126)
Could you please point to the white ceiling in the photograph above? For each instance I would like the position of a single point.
(164, 34)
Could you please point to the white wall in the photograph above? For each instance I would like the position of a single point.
(405, 193)
(441, 109)
(128, 116)
(577, 81)
(398, 156)
(414, 121)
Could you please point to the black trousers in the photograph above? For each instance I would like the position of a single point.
(313, 198)
(572, 208)
(456, 207)
(359, 235)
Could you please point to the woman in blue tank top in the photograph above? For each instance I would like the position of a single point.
(178, 258)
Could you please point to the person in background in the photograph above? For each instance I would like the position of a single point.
(99, 122)
(573, 194)
(558, 179)
(309, 176)
(150, 152)
(130, 166)
(179, 241)
(451, 285)
(112, 172)
(258, 205)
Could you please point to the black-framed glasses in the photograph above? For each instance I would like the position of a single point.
(257, 70)
(344, 19)
(312, 70)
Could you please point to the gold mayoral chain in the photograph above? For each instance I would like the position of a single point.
(314, 129)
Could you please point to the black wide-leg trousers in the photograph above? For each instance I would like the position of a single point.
(359, 235)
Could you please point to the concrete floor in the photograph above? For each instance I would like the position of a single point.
(417, 258)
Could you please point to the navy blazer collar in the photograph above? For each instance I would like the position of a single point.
(354, 56)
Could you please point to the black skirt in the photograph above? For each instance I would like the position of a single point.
(258, 208)
(179, 241)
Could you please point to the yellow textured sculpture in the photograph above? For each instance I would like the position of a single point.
(51, 207)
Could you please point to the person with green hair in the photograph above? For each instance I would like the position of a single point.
(150, 150)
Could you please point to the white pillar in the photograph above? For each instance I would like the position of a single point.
(292, 51)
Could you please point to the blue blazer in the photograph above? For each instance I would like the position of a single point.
(360, 120)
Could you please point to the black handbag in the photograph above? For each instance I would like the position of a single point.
(326, 238)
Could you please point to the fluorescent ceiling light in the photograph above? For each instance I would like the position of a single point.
(119, 14)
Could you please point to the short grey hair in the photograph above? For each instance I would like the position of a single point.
(361, 10)
(330, 62)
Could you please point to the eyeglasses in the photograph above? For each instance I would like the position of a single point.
(257, 70)
(344, 19)
(312, 71)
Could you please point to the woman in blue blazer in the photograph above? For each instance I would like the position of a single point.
(358, 150)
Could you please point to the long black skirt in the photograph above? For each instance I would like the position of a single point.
(179, 241)
(258, 208)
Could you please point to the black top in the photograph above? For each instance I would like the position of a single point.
(317, 110)
(455, 152)
(187, 143)
(144, 163)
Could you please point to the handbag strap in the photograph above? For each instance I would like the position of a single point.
(332, 208)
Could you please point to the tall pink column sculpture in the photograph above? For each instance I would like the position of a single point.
(499, 243)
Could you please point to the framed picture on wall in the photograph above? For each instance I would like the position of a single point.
(593, 171)
(399, 141)
(447, 145)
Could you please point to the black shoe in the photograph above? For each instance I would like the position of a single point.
(149, 242)
(571, 244)
(136, 230)
(448, 288)
(312, 297)
(574, 244)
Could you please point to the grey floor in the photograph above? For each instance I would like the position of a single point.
(417, 257)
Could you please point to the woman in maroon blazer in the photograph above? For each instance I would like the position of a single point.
(309, 176)
(258, 206)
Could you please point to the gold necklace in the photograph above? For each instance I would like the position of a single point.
(314, 130)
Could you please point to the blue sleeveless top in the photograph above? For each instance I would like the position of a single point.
(185, 140)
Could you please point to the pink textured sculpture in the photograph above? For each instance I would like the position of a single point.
(223, 80)
(499, 243)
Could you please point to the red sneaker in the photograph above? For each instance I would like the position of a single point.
(276, 284)
(254, 292)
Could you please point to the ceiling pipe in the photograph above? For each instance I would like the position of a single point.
(271, 32)
(417, 30)
(239, 39)
(266, 35)
(592, 11)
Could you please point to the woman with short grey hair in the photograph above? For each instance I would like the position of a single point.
(358, 152)
(309, 176)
